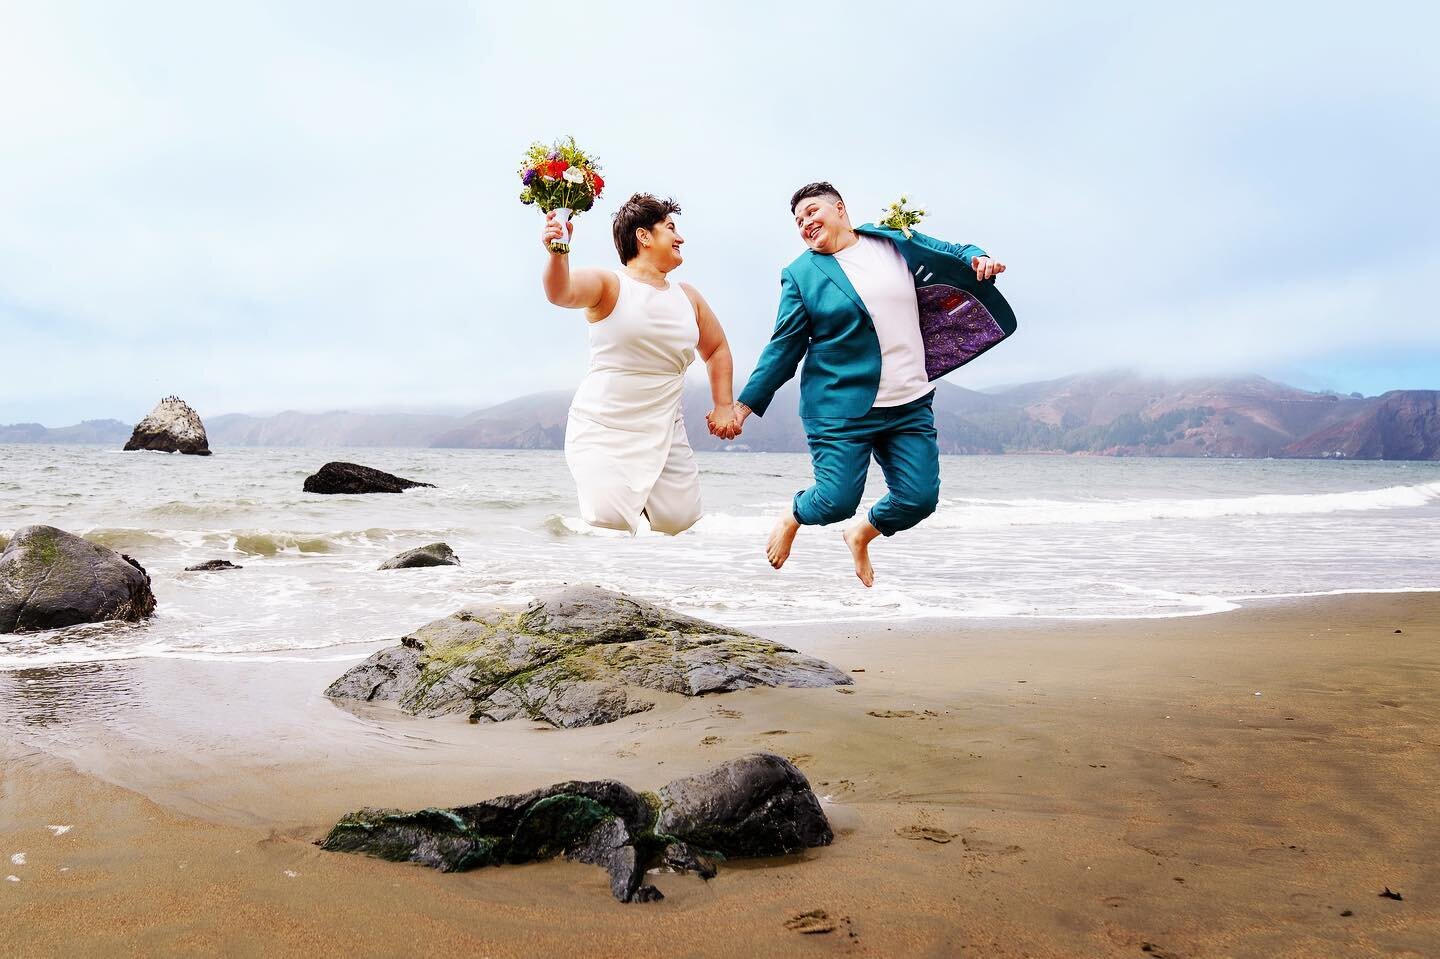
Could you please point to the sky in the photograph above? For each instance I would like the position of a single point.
(263, 206)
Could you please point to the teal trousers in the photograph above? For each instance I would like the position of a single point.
(901, 439)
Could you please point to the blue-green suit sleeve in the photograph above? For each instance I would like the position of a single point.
(784, 351)
(964, 251)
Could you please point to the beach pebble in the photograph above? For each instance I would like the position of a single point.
(18, 859)
(58, 830)
(12, 878)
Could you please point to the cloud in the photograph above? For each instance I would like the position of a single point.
(275, 205)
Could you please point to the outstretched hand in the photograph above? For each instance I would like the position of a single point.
(986, 268)
(723, 421)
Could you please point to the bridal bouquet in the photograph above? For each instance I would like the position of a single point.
(899, 217)
(560, 179)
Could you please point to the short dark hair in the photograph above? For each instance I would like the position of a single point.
(822, 188)
(641, 212)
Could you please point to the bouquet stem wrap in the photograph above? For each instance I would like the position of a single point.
(562, 217)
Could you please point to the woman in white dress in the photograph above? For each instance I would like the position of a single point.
(625, 440)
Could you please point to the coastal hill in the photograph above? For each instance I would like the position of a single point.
(1111, 414)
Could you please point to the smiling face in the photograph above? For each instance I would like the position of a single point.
(661, 244)
(823, 223)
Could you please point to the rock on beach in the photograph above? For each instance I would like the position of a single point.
(756, 805)
(50, 578)
(571, 658)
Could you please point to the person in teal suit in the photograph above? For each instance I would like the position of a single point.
(849, 310)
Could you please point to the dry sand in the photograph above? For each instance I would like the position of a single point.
(998, 789)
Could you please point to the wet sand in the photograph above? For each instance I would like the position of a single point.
(998, 789)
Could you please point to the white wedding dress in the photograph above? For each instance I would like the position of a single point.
(625, 441)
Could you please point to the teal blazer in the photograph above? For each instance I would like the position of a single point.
(823, 321)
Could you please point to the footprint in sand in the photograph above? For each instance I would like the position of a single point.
(712, 740)
(725, 713)
(776, 732)
(801, 759)
(930, 833)
(891, 713)
(811, 923)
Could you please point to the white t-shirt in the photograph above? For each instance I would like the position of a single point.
(879, 274)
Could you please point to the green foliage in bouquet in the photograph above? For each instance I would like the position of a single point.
(559, 176)
(900, 217)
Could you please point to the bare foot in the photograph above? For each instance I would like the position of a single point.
(777, 548)
(858, 538)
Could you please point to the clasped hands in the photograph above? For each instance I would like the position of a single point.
(726, 419)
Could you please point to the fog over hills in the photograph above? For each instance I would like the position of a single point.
(1113, 414)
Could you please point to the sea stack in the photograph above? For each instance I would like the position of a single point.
(171, 427)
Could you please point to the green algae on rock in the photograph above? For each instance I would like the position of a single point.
(50, 578)
(571, 658)
(756, 805)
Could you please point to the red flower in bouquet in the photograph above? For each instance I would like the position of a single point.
(555, 169)
(599, 183)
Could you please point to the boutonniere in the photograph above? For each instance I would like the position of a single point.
(902, 218)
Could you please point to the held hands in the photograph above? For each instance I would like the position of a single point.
(986, 268)
(553, 232)
(724, 421)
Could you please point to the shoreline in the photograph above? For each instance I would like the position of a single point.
(1034, 789)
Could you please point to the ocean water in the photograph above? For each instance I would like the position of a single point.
(1015, 536)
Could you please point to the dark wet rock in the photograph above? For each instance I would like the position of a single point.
(50, 578)
(604, 823)
(758, 805)
(571, 658)
(212, 566)
(435, 554)
(353, 478)
(171, 427)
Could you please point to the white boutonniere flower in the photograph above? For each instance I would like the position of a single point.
(574, 175)
(900, 217)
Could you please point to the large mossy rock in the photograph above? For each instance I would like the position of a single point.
(171, 427)
(571, 659)
(352, 478)
(607, 824)
(50, 578)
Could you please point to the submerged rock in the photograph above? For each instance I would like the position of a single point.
(50, 578)
(212, 566)
(607, 824)
(171, 427)
(352, 478)
(571, 659)
(435, 554)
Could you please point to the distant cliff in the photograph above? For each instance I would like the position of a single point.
(91, 431)
(1110, 414)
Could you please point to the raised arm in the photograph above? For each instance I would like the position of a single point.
(782, 354)
(714, 349)
(579, 290)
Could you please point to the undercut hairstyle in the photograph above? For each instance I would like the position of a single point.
(641, 212)
(822, 188)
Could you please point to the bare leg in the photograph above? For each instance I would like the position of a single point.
(777, 548)
(858, 538)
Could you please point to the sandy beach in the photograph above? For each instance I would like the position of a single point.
(1245, 783)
